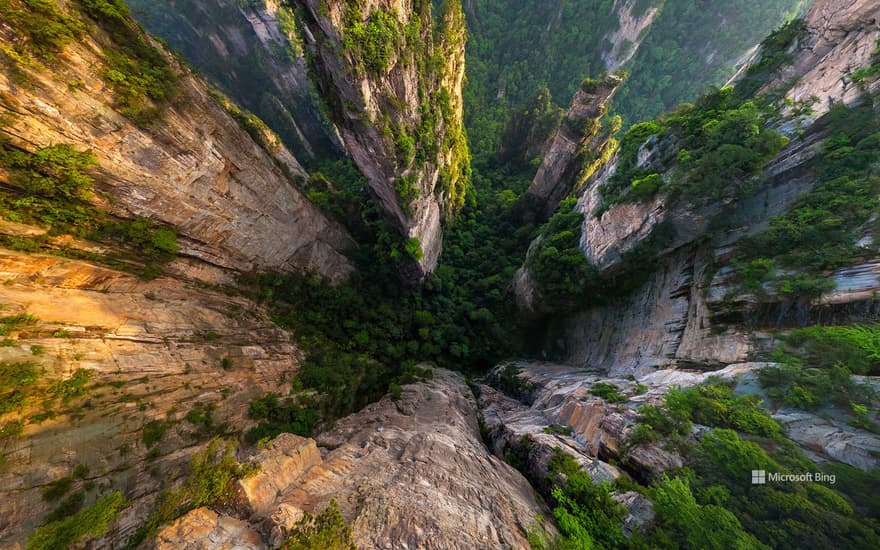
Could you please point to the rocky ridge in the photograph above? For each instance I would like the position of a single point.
(579, 147)
(407, 473)
(399, 112)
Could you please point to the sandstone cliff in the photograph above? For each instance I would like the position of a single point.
(233, 202)
(407, 473)
(677, 317)
(391, 72)
(136, 358)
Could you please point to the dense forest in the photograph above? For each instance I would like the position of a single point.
(516, 49)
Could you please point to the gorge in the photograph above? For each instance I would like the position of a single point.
(411, 274)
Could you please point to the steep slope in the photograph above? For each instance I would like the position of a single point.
(130, 379)
(185, 164)
(669, 319)
(711, 295)
(672, 49)
(410, 472)
(252, 51)
(391, 72)
(580, 146)
(114, 160)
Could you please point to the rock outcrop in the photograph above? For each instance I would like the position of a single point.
(840, 39)
(580, 146)
(233, 202)
(632, 29)
(682, 314)
(253, 52)
(406, 473)
(398, 106)
(162, 355)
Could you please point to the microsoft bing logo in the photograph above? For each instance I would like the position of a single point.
(759, 477)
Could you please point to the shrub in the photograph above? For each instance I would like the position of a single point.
(326, 531)
(692, 525)
(90, 522)
(608, 392)
(153, 431)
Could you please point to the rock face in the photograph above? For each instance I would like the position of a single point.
(841, 35)
(159, 351)
(627, 37)
(681, 316)
(195, 169)
(411, 473)
(398, 106)
(253, 52)
(580, 146)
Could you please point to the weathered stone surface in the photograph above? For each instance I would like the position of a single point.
(579, 142)
(204, 529)
(283, 462)
(627, 37)
(155, 352)
(830, 439)
(250, 53)
(373, 110)
(842, 36)
(194, 169)
(415, 474)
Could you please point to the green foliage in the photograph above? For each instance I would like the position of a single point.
(57, 489)
(413, 248)
(508, 380)
(793, 515)
(460, 318)
(562, 272)
(774, 55)
(75, 386)
(11, 429)
(692, 46)
(138, 73)
(819, 233)
(326, 531)
(292, 415)
(17, 381)
(720, 144)
(518, 48)
(152, 432)
(69, 506)
(817, 364)
(57, 171)
(689, 524)
(90, 522)
(53, 186)
(45, 27)
(608, 392)
(210, 482)
(855, 346)
(870, 71)
(374, 42)
(585, 513)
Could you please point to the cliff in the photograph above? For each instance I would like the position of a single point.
(407, 473)
(112, 382)
(391, 72)
(684, 313)
(253, 52)
(233, 201)
(132, 378)
(581, 145)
